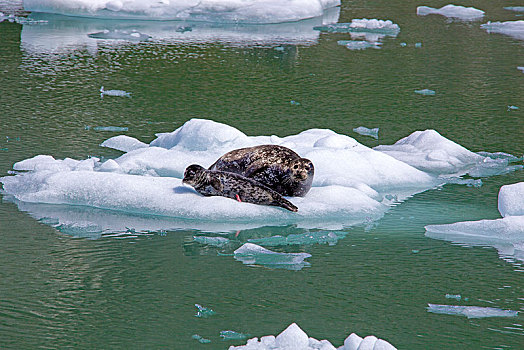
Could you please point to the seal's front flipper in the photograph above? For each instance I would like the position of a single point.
(284, 203)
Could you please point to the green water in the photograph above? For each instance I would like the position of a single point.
(57, 291)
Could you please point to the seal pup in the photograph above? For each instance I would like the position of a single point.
(277, 167)
(230, 185)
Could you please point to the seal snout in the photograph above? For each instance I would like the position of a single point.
(192, 173)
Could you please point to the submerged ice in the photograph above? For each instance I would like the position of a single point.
(246, 11)
(293, 337)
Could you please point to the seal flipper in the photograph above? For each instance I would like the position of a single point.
(284, 203)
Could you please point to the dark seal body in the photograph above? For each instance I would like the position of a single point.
(225, 184)
(277, 167)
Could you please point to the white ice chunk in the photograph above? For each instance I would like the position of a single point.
(433, 153)
(294, 338)
(364, 25)
(362, 130)
(123, 143)
(511, 199)
(229, 11)
(425, 92)
(368, 343)
(471, 311)
(453, 11)
(515, 8)
(359, 44)
(514, 29)
(119, 93)
(109, 165)
(119, 35)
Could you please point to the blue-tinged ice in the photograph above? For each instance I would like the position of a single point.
(505, 234)
(200, 339)
(521, 69)
(124, 143)
(367, 132)
(232, 335)
(119, 35)
(252, 254)
(454, 296)
(322, 237)
(223, 11)
(425, 92)
(214, 241)
(452, 11)
(470, 311)
(204, 312)
(514, 29)
(81, 229)
(107, 128)
(515, 8)
(512, 108)
(359, 44)
(119, 93)
(362, 25)
(293, 337)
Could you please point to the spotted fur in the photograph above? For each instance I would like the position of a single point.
(277, 167)
(230, 185)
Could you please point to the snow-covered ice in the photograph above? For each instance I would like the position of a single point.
(243, 11)
(452, 11)
(514, 29)
(470, 311)
(353, 184)
(505, 234)
(431, 152)
(293, 337)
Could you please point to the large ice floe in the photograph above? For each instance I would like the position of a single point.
(514, 29)
(229, 11)
(142, 189)
(296, 339)
(452, 11)
(63, 34)
(505, 234)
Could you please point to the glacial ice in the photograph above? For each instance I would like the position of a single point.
(471, 311)
(215, 241)
(107, 128)
(426, 92)
(203, 312)
(505, 234)
(119, 35)
(252, 254)
(232, 335)
(452, 11)
(306, 238)
(371, 30)
(514, 29)
(246, 11)
(431, 152)
(293, 337)
(200, 339)
(515, 8)
(367, 132)
(142, 188)
(359, 44)
(119, 93)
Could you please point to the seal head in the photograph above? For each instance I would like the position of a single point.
(230, 185)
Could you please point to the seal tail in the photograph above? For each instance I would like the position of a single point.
(284, 203)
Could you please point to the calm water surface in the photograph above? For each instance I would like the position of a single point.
(58, 291)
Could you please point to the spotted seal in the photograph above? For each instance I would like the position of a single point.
(230, 185)
(277, 167)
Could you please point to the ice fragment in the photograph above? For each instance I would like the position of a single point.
(367, 132)
(232, 335)
(203, 311)
(453, 11)
(425, 92)
(471, 311)
(120, 93)
(200, 339)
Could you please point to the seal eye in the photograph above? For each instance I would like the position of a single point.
(295, 166)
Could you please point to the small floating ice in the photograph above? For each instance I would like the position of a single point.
(293, 337)
(359, 44)
(514, 29)
(512, 108)
(471, 311)
(203, 312)
(200, 339)
(232, 335)
(521, 69)
(251, 254)
(367, 132)
(362, 25)
(119, 93)
(307, 238)
(214, 241)
(120, 35)
(452, 11)
(515, 8)
(425, 92)
(123, 143)
(454, 296)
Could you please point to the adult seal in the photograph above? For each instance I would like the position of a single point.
(235, 186)
(277, 167)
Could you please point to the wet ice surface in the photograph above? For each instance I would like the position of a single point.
(252, 254)
(359, 44)
(249, 11)
(119, 93)
(293, 337)
(453, 11)
(120, 35)
(362, 130)
(426, 92)
(505, 234)
(514, 29)
(471, 311)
